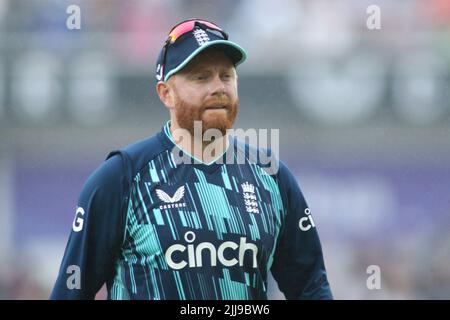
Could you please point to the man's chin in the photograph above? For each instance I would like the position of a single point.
(219, 122)
(220, 126)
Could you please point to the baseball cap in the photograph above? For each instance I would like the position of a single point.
(189, 38)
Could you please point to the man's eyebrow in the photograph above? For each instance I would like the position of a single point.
(199, 69)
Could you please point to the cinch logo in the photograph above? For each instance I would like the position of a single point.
(195, 258)
(307, 222)
(171, 200)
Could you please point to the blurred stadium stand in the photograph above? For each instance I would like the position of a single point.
(363, 118)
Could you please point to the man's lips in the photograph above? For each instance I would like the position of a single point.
(219, 107)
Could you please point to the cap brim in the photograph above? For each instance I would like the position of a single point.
(235, 52)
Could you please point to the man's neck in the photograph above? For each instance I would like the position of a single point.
(205, 151)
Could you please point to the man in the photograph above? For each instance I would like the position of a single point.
(163, 219)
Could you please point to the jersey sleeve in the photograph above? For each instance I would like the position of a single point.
(298, 265)
(96, 235)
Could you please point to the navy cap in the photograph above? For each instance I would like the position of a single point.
(189, 45)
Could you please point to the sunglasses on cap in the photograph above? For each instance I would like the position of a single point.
(185, 27)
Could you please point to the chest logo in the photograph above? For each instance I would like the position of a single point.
(251, 206)
(171, 202)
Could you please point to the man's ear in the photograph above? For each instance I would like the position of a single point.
(165, 93)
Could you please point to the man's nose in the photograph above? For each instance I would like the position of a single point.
(217, 85)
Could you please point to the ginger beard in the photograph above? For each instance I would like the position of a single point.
(186, 113)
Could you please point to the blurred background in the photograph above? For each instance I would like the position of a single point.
(364, 119)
